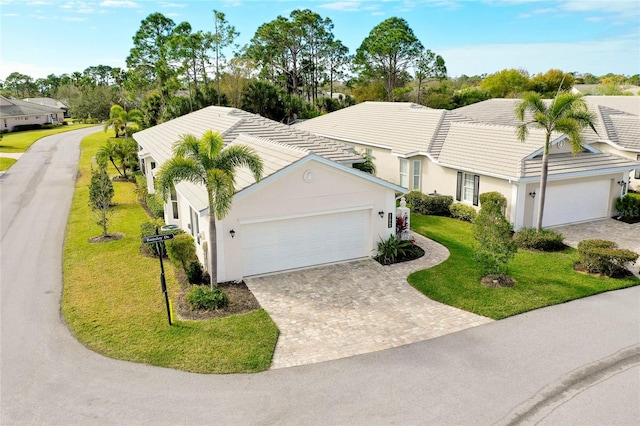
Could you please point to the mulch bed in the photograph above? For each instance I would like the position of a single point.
(497, 281)
(106, 238)
(415, 253)
(241, 301)
(579, 267)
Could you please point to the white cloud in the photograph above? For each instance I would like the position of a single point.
(119, 3)
(344, 6)
(619, 56)
(170, 5)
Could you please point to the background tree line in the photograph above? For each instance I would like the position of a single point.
(293, 67)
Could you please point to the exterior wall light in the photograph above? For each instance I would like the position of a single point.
(232, 233)
(532, 194)
(381, 214)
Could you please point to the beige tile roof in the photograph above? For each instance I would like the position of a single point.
(488, 148)
(583, 163)
(231, 122)
(403, 127)
(627, 133)
(276, 156)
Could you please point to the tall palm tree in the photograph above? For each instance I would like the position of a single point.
(567, 113)
(205, 161)
(119, 118)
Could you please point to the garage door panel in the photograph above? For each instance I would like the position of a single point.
(575, 202)
(298, 242)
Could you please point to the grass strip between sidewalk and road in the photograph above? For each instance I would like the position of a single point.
(113, 303)
(542, 279)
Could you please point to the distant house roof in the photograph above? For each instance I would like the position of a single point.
(617, 117)
(18, 108)
(48, 102)
(479, 137)
(402, 127)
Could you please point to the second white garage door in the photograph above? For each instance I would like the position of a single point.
(575, 202)
(278, 245)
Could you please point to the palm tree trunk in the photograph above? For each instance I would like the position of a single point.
(543, 186)
(213, 249)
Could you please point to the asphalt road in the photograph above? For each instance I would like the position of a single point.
(576, 363)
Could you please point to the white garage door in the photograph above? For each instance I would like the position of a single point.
(295, 243)
(575, 202)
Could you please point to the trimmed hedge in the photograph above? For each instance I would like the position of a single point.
(437, 205)
(543, 240)
(602, 256)
(628, 206)
(463, 212)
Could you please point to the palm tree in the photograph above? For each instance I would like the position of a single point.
(567, 113)
(205, 161)
(119, 118)
(123, 152)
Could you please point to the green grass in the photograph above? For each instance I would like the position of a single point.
(113, 303)
(5, 163)
(543, 279)
(21, 141)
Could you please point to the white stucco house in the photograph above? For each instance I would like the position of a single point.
(310, 208)
(14, 112)
(475, 149)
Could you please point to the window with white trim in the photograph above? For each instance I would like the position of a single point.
(416, 174)
(468, 188)
(404, 173)
(637, 173)
(195, 226)
(174, 202)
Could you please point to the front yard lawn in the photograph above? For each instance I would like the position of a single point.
(21, 141)
(542, 279)
(113, 303)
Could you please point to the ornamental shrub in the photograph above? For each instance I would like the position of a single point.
(194, 273)
(604, 257)
(392, 248)
(492, 231)
(463, 212)
(155, 205)
(436, 205)
(181, 250)
(201, 297)
(543, 240)
(628, 206)
(493, 197)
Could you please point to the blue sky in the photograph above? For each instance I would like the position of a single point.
(41, 37)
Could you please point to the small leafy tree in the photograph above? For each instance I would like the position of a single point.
(492, 232)
(100, 195)
(123, 153)
(182, 250)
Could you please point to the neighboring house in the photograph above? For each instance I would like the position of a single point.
(311, 207)
(474, 149)
(51, 103)
(14, 112)
(597, 89)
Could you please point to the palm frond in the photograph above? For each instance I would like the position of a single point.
(240, 156)
(187, 146)
(220, 187)
(178, 169)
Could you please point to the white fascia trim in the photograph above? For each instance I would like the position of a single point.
(541, 150)
(359, 142)
(578, 174)
(414, 154)
(144, 154)
(313, 157)
(479, 172)
(302, 215)
(616, 146)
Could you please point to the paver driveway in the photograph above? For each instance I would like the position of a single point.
(625, 234)
(340, 310)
